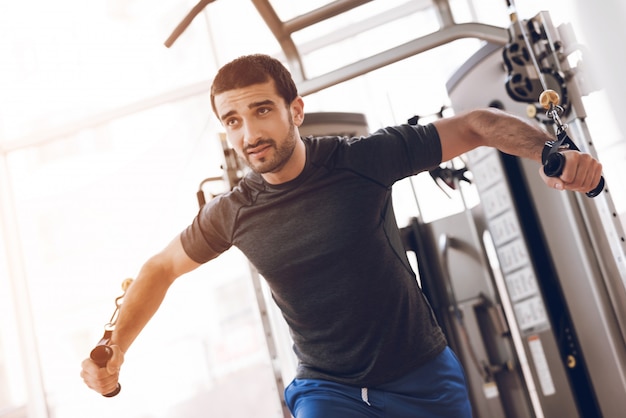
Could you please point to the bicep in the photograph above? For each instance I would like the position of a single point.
(457, 136)
(176, 260)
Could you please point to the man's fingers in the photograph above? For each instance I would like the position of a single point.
(97, 378)
(103, 379)
(581, 173)
(552, 182)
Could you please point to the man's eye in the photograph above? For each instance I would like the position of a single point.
(231, 122)
(263, 110)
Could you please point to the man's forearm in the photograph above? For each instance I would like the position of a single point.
(141, 301)
(490, 127)
(510, 134)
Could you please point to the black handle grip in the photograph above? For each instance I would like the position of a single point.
(553, 167)
(100, 355)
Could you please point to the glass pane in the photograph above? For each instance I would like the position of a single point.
(66, 60)
(236, 29)
(12, 383)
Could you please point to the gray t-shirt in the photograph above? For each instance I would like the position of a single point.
(329, 247)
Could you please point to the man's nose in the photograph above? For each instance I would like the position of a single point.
(251, 133)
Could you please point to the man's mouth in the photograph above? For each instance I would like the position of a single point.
(259, 150)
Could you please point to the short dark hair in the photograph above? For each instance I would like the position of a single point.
(254, 69)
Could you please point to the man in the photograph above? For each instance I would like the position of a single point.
(314, 217)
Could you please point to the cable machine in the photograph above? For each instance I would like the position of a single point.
(560, 255)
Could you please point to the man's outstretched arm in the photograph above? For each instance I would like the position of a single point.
(513, 135)
(141, 301)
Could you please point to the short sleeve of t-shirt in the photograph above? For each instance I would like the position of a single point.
(393, 153)
(209, 234)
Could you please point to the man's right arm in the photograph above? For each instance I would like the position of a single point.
(141, 301)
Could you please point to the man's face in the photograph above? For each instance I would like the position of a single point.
(260, 126)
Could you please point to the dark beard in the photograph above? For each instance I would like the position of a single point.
(281, 156)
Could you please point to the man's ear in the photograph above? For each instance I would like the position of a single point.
(297, 111)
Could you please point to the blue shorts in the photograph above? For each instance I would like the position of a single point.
(436, 389)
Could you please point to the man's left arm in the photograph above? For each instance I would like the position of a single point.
(513, 135)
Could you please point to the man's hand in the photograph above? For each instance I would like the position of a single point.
(103, 380)
(581, 173)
